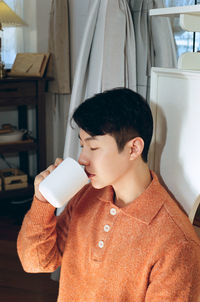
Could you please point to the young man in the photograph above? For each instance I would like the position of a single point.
(121, 238)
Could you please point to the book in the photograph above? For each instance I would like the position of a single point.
(30, 64)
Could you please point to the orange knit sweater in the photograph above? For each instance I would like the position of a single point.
(144, 252)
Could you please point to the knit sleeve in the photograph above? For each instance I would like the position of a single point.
(176, 275)
(42, 238)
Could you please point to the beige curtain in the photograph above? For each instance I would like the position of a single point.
(59, 67)
(58, 98)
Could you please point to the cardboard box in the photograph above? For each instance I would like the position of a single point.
(13, 179)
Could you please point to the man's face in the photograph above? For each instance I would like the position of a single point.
(103, 163)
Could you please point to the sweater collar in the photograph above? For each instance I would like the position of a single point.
(143, 208)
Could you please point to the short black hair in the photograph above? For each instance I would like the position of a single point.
(120, 112)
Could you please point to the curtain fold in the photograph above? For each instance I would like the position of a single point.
(119, 61)
(58, 98)
(81, 86)
(59, 65)
(155, 44)
(57, 107)
(106, 59)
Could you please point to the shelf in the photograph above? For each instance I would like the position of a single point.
(26, 145)
(23, 93)
(15, 194)
(174, 11)
(189, 15)
(10, 102)
(189, 61)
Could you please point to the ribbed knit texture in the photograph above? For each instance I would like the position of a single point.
(144, 252)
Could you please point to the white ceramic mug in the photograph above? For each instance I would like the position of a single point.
(63, 182)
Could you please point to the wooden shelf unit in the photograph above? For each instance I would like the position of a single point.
(24, 92)
(26, 145)
(18, 193)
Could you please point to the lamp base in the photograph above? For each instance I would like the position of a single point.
(2, 70)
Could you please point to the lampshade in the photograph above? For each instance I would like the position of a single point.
(8, 16)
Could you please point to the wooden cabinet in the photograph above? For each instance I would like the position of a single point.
(22, 93)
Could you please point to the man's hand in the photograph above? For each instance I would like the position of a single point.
(42, 176)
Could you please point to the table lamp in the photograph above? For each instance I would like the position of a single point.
(8, 18)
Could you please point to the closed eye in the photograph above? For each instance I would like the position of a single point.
(92, 149)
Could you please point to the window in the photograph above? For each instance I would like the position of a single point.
(185, 41)
(12, 37)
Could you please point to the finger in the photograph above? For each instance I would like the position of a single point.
(50, 168)
(38, 179)
(44, 174)
(58, 161)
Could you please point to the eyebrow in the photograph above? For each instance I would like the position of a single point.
(90, 138)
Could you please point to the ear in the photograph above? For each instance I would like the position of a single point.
(136, 146)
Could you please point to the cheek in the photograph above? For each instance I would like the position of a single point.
(108, 163)
(108, 157)
(100, 159)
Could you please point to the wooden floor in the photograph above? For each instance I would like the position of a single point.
(15, 284)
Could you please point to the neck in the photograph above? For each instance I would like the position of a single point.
(133, 184)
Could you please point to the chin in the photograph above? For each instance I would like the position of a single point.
(97, 185)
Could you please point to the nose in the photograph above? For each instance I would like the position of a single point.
(83, 159)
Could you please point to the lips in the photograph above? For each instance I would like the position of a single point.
(89, 175)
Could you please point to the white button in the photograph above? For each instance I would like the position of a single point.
(106, 228)
(113, 211)
(101, 244)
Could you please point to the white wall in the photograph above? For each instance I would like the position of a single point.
(30, 32)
